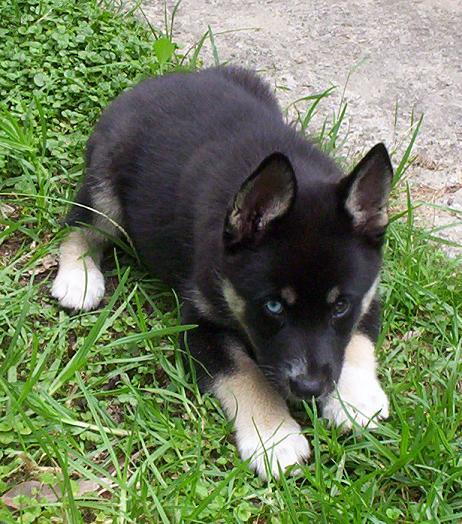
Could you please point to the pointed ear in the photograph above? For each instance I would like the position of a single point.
(266, 196)
(364, 193)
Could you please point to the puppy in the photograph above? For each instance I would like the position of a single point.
(274, 251)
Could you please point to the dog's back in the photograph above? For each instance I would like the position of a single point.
(161, 149)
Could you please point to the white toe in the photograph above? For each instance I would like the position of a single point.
(79, 288)
(362, 400)
(274, 450)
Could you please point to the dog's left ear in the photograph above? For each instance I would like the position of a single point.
(266, 196)
(364, 193)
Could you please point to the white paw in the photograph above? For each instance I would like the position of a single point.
(273, 449)
(362, 397)
(78, 288)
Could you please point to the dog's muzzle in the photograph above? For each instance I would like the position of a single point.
(306, 388)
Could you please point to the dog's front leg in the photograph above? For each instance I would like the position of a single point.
(358, 395)
(266, 434)
(265, 431)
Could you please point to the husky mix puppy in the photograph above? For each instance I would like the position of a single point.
(275, 252)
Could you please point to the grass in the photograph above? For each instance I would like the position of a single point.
(99, 420)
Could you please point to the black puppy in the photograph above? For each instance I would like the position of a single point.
(275, 252)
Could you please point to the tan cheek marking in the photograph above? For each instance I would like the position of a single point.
(289, 295)
(368, 297)
(235, 303)
(237, 306)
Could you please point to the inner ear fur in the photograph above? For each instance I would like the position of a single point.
(364, 193)
(264, 197)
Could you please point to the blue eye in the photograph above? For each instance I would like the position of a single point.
(274, 307)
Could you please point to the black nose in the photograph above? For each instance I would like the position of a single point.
(305, 387)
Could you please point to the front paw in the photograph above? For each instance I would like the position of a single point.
(272, 449)
(362, 400)
(80, 287)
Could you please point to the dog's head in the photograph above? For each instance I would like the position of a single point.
(301, 263)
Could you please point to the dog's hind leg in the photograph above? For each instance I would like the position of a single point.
(79, 284)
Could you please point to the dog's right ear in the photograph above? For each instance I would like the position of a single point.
(266, 196)
(364, 193)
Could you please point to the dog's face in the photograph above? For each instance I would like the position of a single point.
(301, 267)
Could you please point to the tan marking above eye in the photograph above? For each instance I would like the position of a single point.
(289, 295)
(333, 294)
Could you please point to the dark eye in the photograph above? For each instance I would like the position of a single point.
(274, 307)
(341, 307)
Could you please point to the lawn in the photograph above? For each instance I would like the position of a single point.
(99, 420)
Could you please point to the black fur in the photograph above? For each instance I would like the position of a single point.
(177, 151)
